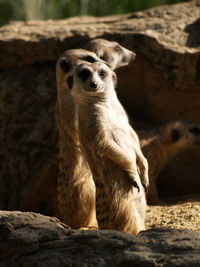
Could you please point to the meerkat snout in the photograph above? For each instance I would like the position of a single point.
(129, 56)
(93, 85)
(132, 56)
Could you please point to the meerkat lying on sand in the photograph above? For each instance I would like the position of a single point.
(160, 145)
(110, 149)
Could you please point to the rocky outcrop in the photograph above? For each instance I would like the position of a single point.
(30, 239)
(162, 84)
(176, 28)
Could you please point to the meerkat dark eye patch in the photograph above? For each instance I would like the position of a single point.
(65, 65)
(70, 81)
(175, 135)
(195, 130)
(84, 74)
(89, 59)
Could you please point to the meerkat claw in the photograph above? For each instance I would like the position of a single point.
(146, 187)
(136, 185)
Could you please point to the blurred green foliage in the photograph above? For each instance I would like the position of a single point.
(58, 9)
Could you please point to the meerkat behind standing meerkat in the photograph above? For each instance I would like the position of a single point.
(76, 189)
(111, 52)
(106, 139)
(160, 145)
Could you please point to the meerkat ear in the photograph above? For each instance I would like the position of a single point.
(175, 135)
(70, 81)
(114, 78)
(65, 65)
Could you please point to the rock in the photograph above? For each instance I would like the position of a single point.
(30, 239)
(28, 130)
(162, 84)
(24, 43)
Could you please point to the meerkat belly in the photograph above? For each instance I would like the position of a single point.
(119, 128)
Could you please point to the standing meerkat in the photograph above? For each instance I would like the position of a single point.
(66, 113)
(105, 136)
(160, 145)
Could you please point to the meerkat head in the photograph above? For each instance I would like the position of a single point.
(93, 79)
(67, 63)
(182, 135)
(111, 52)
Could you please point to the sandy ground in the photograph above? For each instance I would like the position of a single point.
(174, 213)
(182, 215)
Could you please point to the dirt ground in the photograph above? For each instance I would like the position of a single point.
(184, 214)
(174, 213)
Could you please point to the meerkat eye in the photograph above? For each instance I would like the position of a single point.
(65, 65)
(102, 73)
(117, 49)
(84, 74)
(89, 59)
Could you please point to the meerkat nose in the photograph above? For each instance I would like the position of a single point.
(93, 85)
(133, 56)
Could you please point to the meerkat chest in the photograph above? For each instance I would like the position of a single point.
(115, 116)
(118, 125)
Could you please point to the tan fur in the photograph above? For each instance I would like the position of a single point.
(105, 136)
(161, 144)
(75, 184)
(117, 56)
(76, 189)
(66, 113)
(111, 52)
